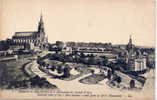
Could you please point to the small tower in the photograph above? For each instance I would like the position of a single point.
(130, 40)
(130, 45)
(130, 57)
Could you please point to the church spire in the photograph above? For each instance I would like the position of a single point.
(41, 24)
(41, 18)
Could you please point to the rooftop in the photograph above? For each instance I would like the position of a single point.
(26, 33)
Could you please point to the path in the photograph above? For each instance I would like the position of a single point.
(70, 85)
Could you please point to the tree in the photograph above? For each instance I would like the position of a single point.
(132, 84)
(47, 66)
(59, 69)
(92, 71)
(82, 55)
(109, 74)
(105, 60)
(111, 65)
(121, 65)
(118, 79)
(100, 63)
(76, 59)
(66, 72)
(53, 68)
(43, 64)
(91, 61)
(59, 45)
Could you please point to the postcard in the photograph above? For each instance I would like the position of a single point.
(77, 49)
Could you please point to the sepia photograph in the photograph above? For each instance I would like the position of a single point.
(77, 49)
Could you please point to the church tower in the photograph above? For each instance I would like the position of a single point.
(41, 32)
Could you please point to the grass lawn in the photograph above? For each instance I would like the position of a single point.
(93, 79)
(11, 70)
(81, 70)
(13, 75)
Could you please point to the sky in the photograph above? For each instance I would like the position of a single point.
(82, 20)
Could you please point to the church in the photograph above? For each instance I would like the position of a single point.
(35, 38)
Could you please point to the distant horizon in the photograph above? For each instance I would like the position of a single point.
(90, 41)
(82, 21)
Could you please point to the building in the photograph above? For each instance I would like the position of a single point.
(29, 39)
(140, 64)
(134, 59)
(4, 45)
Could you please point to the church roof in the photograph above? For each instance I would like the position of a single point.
(24, 34)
